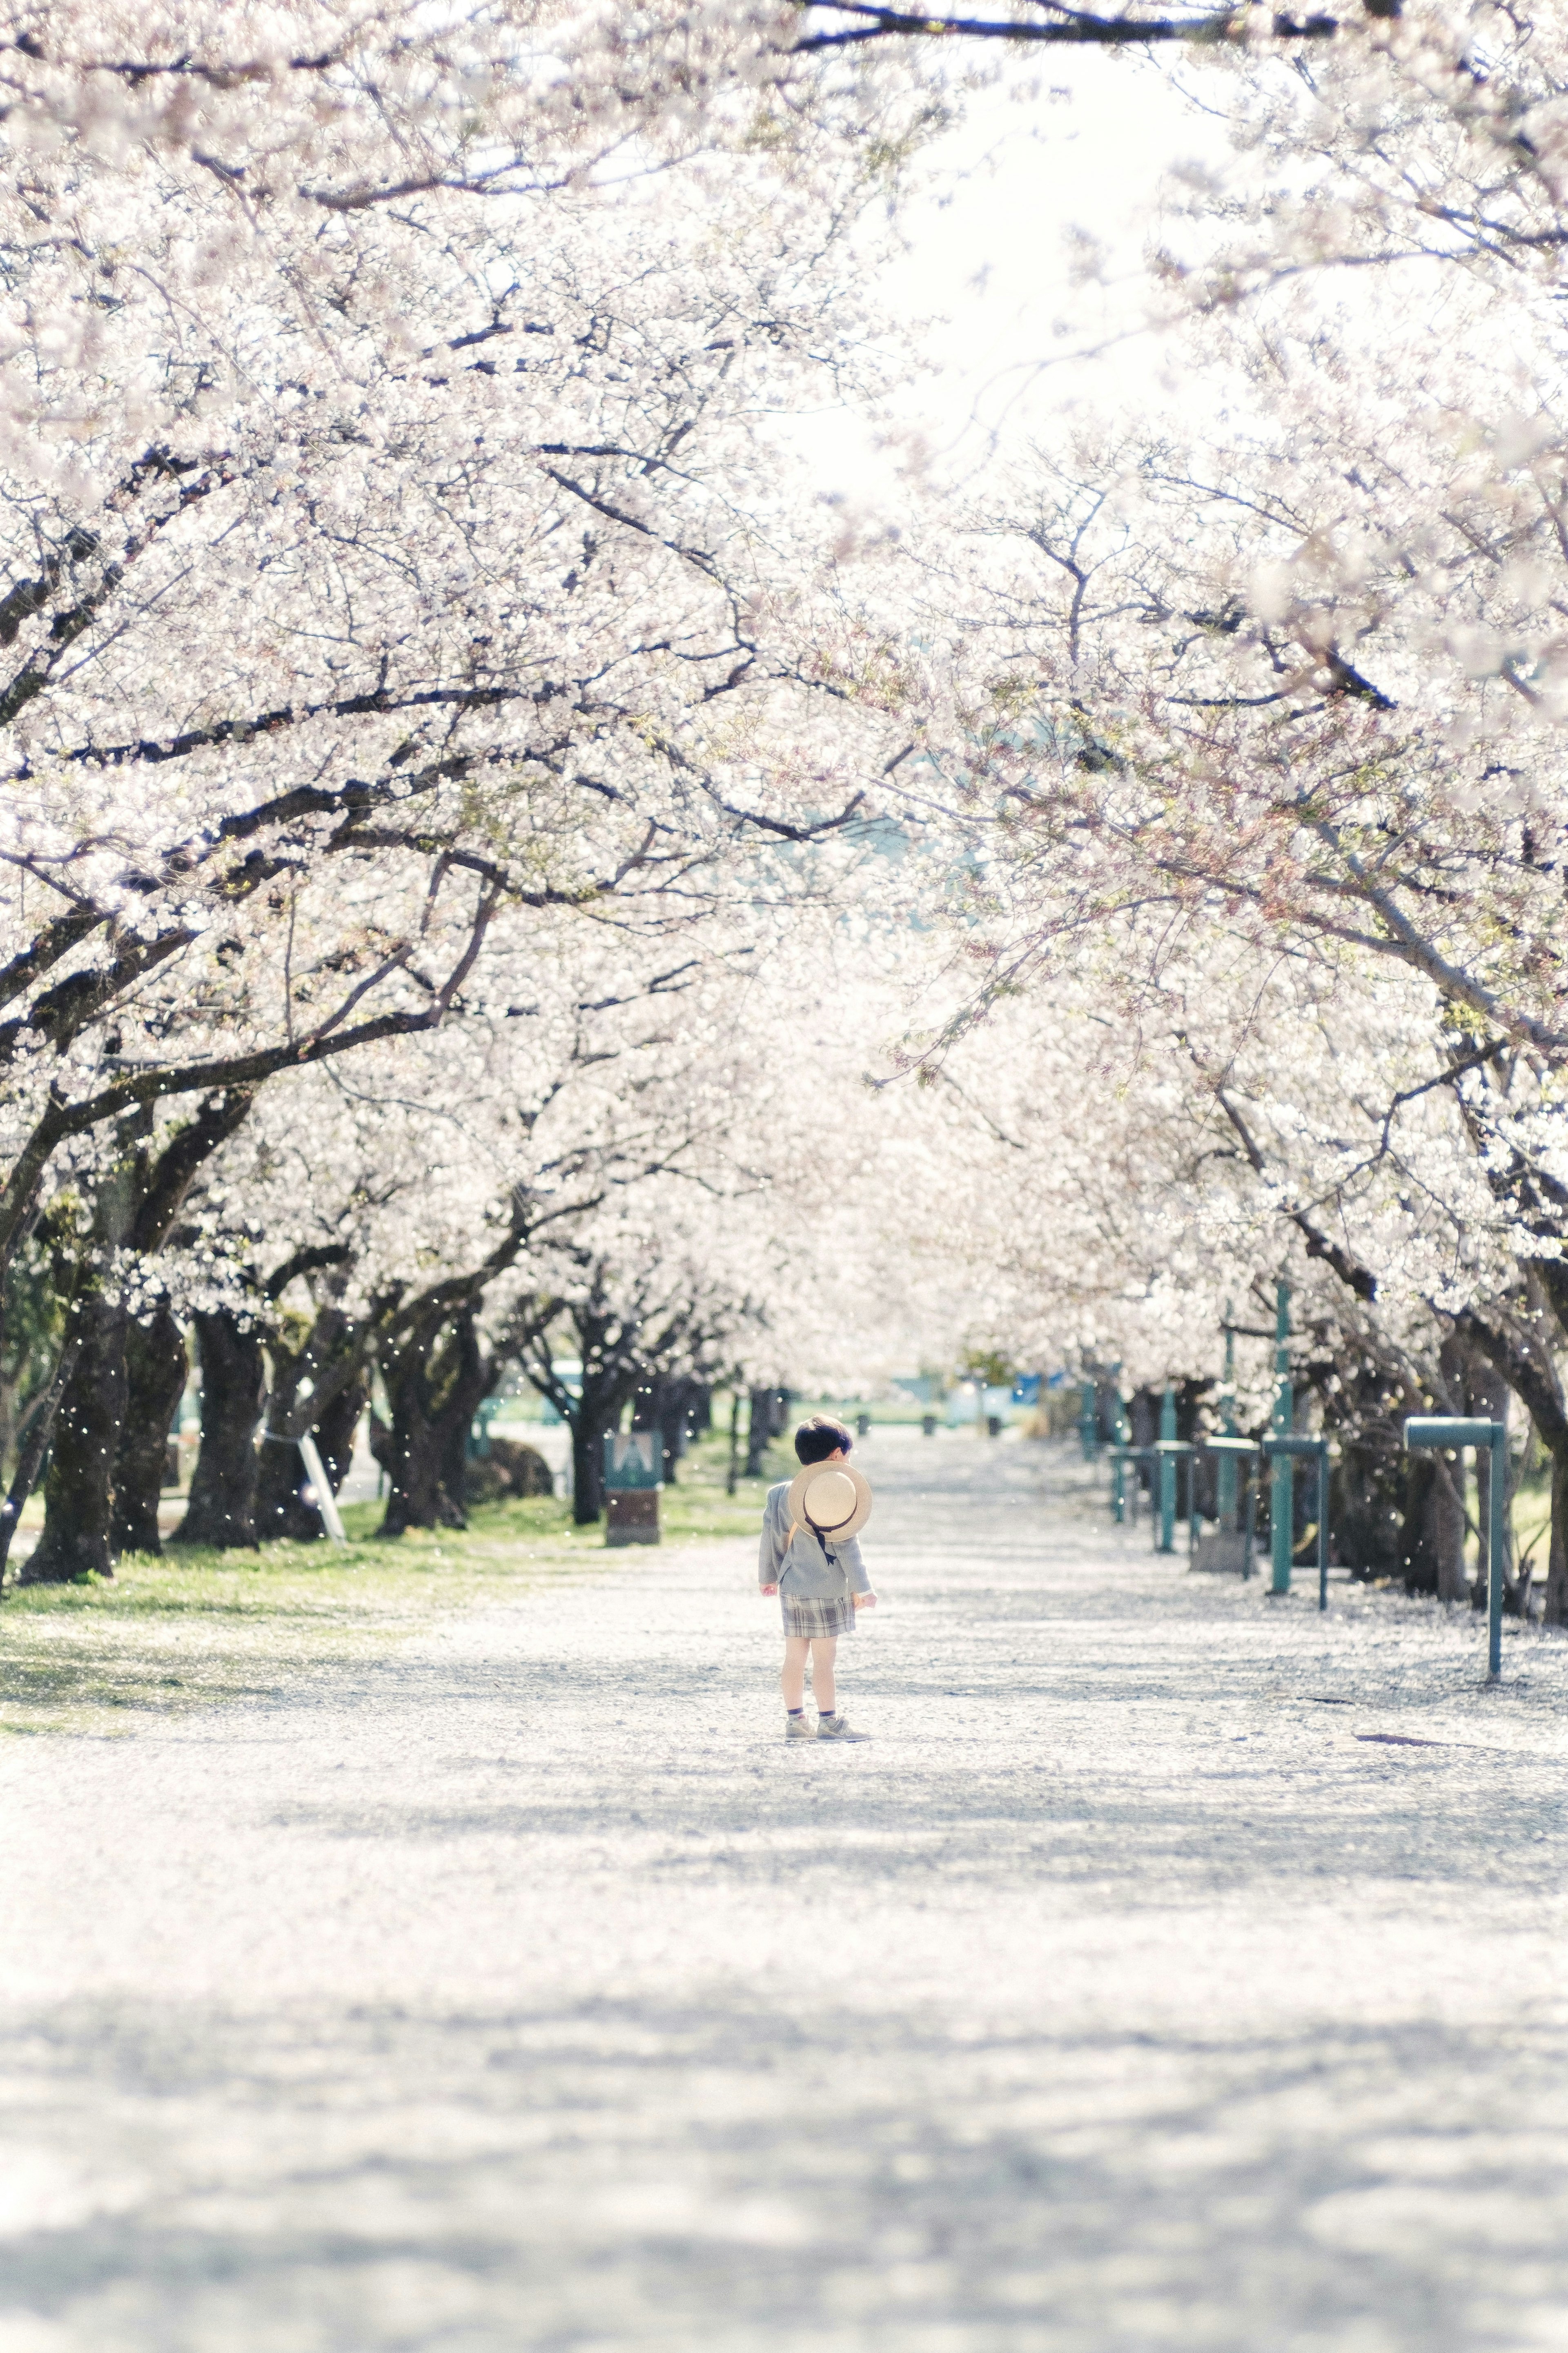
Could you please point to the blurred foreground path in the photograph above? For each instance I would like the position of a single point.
(522, 1990)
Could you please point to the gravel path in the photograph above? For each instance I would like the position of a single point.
(522, 1991)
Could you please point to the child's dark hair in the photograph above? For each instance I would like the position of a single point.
(821, 1436)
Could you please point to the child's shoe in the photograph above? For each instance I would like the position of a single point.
(796, 1728)
(837, 1727)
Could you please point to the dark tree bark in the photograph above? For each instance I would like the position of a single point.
(766, 1410)
(316, 1390)
(597, 1415)
(434, 1389)
(477, 1380)
(156, 1372)
(1475, 1388)
(79, 1488)
(1447, 1507)
(1367, 1507)
(281, 1478)
(596, 1411)
(1517, 1354)
(37, 1433)
(608, 1354)
(620, 1342)
(335, 1432)
(837, 25)
(221, 1511)
(1434, 1560)
(137, 1203)
(281, 1510)
(670, 1404)
(1554, 1610)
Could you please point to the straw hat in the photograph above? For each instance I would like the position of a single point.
(833, 1499)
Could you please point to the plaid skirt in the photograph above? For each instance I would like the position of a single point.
(805, 1615)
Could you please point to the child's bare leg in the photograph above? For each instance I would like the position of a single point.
(824, 1649)
(792, 1679)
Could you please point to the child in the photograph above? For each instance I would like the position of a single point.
(810, 1558)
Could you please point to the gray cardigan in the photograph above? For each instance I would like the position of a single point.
(806, 1570)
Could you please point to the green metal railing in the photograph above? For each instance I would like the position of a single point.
(1290, 1450)
(1237, 1455)
(1445, 1432)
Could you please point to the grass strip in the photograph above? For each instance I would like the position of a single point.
(196, 1629)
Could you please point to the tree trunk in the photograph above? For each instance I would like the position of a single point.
(1530, 1368)
(1457, 1364)
(763, 1425)
(280, 1510)
(155, 1371)
(587, 1468)
(137, 1201)
(599, 1409)
(416, 1496)
(1368, 1492)
(1487, 1395)
(480, 1380)
(221, 1511)
(334, 1433)
(77, 1493)
(1431, 1523)
(1448, 1529)
(668, 1404)
(1556, 1612)
(282, 1479)
(434, 1398)
(319, 1390)
(34, 1443)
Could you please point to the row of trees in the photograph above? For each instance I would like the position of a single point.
(426, 715)
(473, 812)
(1251, 720)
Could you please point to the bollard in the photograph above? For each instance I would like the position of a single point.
(1169, 1453)
(1277, 1448)
(1167, 1470)
(1440, 1430)
(1225, 1478)
(1120, 1457)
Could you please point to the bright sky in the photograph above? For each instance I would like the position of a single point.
(994, 266)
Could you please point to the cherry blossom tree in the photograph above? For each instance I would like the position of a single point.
(396, 542)
(1282, 671)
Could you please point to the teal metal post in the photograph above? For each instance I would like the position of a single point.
(1168, 1471)
(1088, 1421)
(1282, 1473)
(1225, 1473)
(1286, 1448)
(1443, 1430)
(1497, 1563)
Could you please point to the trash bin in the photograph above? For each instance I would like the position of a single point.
(633, 1460)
